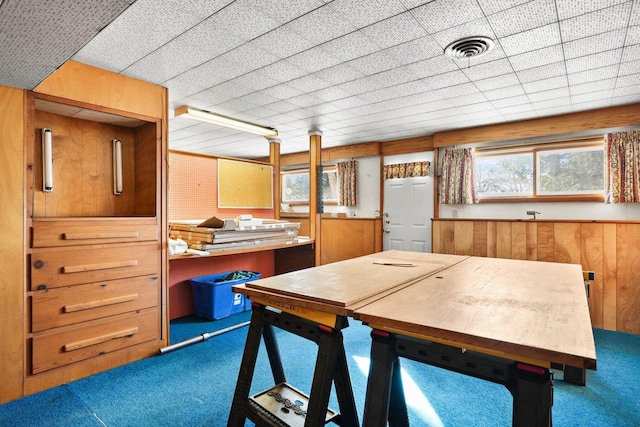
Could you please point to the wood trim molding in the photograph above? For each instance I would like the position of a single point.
(594, 120)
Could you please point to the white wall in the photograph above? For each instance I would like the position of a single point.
(368, 190)
(574, 210)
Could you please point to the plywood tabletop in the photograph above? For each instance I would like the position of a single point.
(536, 310)
(346, 284)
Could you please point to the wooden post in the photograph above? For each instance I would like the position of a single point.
(315, 151)
(274, 159)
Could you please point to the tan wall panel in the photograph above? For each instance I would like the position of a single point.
(12, 229)
(546, 242)
(591, 258)
(519, 240)
(609, 276)
(435, 237)
(567, 242)
(491, 239)
(532, 241)
(346, 238)
(503, 239)
(447, 238)
(463, 232)
(479, 238)
(628, 279)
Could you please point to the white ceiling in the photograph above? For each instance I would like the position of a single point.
(357, 70)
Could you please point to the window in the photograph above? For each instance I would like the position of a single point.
(295, 186)
(545, 172)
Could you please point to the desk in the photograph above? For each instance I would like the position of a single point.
(520, 315)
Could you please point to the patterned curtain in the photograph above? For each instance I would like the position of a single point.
(347, 175)
(406, 170)
(623, 167)
(458, 177)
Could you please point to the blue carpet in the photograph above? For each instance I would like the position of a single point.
(194, 386)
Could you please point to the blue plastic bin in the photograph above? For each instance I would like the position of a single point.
(213, 297)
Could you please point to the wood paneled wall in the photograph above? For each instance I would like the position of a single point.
(345, 238)
(610, 249)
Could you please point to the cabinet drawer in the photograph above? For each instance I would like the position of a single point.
(62, 346)
(61, 233)
(73, 304)
(56, 268)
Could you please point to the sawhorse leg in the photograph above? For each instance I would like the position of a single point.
(331, 367)
(385, 395)
(532, 396)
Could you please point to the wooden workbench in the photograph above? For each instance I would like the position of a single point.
(513, 318)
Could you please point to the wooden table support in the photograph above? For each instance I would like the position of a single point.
(530, 386)
(330, 368)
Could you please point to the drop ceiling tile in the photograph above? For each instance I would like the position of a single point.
(321, 25)
(593, 23)
(453, 91)
(631, 53)
(628, 91)
(504, 93)
(339, 74)
(282, 91)
(394, 31)
(580, 89)
(283, 42)
(524, 17)
(537, 58)
(594, 44)
(588, 62)
(245, 20)
(440, 15)
(544, 72)
(350, 46)
(452, 78)
(349, 102)
(516, 109)
(373, 63)
(593, 75)
(308, 83)
(431, 67)
(544, 85)
(504, 102)
(416, 50)
(633, 33)
(282, 71)
(366, 12)
(314, 59)
(488, 69)
(475, 98)
(305, 100)
(490, 7)
(628, 80)
(330, 94)
(631, 67)
(547, 95)
(598, 95)
(570, 8)
(530, 40)
(547, 104)
(591, 105)
(286, 11)
(499, 82)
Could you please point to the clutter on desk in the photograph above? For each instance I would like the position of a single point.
(242, 232)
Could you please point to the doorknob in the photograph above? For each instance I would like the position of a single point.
(386, 230)
(387, 221)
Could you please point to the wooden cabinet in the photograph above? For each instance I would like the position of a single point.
(607, 248)
(86, 288)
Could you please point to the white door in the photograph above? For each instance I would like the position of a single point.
(408, 208)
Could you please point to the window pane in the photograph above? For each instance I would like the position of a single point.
(571, 171)
(330, 187)
(295, 187)
(504, 175)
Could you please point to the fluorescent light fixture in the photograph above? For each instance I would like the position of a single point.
(47, 160)
(117, 167)
(216, 119)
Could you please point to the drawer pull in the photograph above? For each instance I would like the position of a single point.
(101, 266)
(96, 235)
(99, 303)
(100, 339)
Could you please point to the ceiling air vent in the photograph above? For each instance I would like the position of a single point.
(469, 47)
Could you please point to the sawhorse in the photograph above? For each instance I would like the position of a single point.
(531, 386)
(330, 368)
